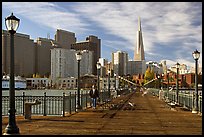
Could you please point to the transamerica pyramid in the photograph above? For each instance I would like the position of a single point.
(139, 50)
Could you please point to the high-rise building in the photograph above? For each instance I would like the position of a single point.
(43, 56)
(64, 63)
(120, 63)
(139, 50)
(24, 54)
(92, 43)
(104, 64)
(65, 38)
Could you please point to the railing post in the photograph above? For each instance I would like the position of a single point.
(81, 99)
(63, 101)
(75, 101)
(184, 102)
(200, 100)
(70, 105)
(86, 98)
(44, 104)
(23, 102)
(189, 99)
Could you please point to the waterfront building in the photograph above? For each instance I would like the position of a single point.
(66, 83)
(37, 83)
(104, 83)
(120, 63)
(93, 44)
(24, 54)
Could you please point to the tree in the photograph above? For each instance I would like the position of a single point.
(149, 75)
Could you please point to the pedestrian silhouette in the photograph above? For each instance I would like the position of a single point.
(94, 95)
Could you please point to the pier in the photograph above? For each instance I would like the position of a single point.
(130, 114)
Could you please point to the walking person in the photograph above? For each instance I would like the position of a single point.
(94, 95)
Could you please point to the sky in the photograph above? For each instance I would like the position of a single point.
(171, 30)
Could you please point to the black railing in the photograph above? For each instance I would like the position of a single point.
(50, 105)
(185, 97)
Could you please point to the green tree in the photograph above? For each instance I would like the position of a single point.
(149, 75)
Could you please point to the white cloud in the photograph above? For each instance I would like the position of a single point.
(48, 14)
(162, 22)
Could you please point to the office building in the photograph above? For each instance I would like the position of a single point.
(43, 56)
(120, 63)
(65, 38)
(64, 63)
(92, 43)
(24, 54)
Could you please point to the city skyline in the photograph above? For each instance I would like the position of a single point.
(170, 32)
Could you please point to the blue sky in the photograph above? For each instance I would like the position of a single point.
(171, 30)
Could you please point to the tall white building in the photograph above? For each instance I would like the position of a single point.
(64, 63)
(120, 62)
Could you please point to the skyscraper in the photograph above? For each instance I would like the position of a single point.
(65, 38)
(120, 62)
(139, 50)
(92, 43)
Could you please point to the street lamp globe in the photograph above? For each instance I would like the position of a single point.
(78, 56)
(98, 65)
(12, 23)
(109, 71)
(177, 65)
(196, 54)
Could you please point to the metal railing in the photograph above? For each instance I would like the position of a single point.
(50, 105)
(185, 97)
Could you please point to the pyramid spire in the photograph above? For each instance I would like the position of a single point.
(139, 50)
(139, 24)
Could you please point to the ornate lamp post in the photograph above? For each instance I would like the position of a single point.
(167, 84)
(177, 83)
(158, 77)
(78, 57)
(109, 84)
(115, 80)
(196, 55)
(162, 76)
(98, 65)
(12, 24)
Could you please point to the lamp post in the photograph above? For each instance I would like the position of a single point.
(109, 84)
(196, 55)
(118, 82)
(78, 57)
(12, 24)
(158, 77)
(167, 84)
(98, 65)
(162, 75)
(115, 80)
(177, 83)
